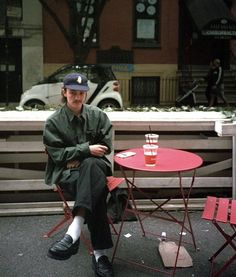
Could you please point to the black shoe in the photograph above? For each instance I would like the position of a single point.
(102, 267)
(63, 249)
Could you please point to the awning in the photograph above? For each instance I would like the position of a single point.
(212, 18)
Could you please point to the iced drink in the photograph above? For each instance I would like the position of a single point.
(150, 154)
(151, 138)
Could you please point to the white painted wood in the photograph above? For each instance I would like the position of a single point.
(42, 158)
(229, 129)
(24, 205)
(34, 120)
(173, 182)
(23, 158)
(213, 168)
(220, 144)
(225, 129)
(147, 182)
(18, 148)
(41, 116)
(15, 173)
(24, 185)
(46, 208)
(22, 146)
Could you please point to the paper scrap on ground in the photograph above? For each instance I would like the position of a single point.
(168, 251)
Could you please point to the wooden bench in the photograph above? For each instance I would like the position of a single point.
(22, 158)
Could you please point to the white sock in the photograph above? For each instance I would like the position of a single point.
(75, 227)
(99, 253)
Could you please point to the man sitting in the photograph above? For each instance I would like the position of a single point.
(77, 138)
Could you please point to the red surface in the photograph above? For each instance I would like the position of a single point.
(113, 182)
(210, 206)
(223, 208)
(168, 160)
(233, 212)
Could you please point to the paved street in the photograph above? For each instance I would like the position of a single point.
(23, 249)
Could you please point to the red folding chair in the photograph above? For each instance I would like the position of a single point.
(222, 211)
(112, 183)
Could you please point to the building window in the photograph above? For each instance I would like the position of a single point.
(145, 91)
(12, 9)
(147, 23)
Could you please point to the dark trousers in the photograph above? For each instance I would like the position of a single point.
(87, 185)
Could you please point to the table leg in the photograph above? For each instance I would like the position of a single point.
(130, 198)
(186, 212)
(130, 187)
(183, 223)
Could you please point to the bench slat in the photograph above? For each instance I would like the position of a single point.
(233, 212)
(209, 209)
(223, 208)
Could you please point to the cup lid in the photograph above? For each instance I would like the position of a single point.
(151, 135)
(153, 146)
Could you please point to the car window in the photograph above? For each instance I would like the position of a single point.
(80, 69)
(74, 69)
(59, 75)
(105, 73)
(93, 75)
(96, 74)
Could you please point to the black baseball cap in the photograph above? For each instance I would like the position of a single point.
(76, 81)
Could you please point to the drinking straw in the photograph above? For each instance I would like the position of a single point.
(150, 130)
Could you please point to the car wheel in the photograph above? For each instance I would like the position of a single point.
(108, 104)
(34, 103)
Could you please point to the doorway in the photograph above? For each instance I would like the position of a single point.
(10, 70)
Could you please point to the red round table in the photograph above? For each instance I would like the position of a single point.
(168, 160)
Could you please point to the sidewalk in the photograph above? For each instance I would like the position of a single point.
(23, 249)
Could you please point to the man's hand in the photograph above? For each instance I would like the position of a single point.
(98, 150)
(73, 164)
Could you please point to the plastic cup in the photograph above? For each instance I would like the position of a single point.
(150, 154)
(151, 138)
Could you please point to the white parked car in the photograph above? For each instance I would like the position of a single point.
(104, 88)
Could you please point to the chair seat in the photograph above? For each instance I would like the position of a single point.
(220, 209)
(222, 212)
(114, 182)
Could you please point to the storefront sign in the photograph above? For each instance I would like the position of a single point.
(220, 29)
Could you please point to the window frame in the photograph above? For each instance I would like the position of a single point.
(3, 12)
(146, 23)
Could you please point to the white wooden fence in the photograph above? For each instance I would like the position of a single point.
(22, 157)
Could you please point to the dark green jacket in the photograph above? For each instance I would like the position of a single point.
(67, 137)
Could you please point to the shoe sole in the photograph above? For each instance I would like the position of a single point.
(62, 257)
(97, 275)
